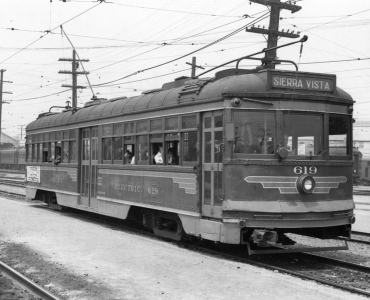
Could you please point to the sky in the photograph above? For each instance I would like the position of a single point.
(133, 46)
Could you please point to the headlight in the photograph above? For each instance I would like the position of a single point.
(236, 102)
(306, 184)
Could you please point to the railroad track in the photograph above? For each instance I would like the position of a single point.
(356, 240)
(340, 274)
(26, 283)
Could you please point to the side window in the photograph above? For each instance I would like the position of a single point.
(339, 135)
(40, 152)
(107, 149)
(117, 149)
(129, 156)
(65, 152)
(143, 150)
(34, 152)
(173, 153)
(117, 143)
(52, 152)
(172, 149)
(72, 151)
(107, 144)
(158, 154)
(190, 146)
(45, 152)
(189, 140)
(129, 150)
(58, 149)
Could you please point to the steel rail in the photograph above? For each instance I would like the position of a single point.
(354, 240)
(336, 262)
(361, 233)
(319, 259)
(250, 261)
(27, 283)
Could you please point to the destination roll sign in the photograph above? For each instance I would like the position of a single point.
(302, 82)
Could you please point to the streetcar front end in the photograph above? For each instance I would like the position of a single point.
(288, 160)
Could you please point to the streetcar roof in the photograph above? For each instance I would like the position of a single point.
(264, 84)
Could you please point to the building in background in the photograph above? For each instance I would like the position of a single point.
(8, 142)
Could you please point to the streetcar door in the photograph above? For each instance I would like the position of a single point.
(212, 158)
(89, 161)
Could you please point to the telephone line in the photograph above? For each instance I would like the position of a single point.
(49, 31)
(179, 11)
(162, 64)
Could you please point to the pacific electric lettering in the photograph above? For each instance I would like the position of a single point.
(299, 83)
(128, 187)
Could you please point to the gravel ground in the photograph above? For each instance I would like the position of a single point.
(83, 259)
(9, 290)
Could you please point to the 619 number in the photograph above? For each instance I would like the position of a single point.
(305, 170)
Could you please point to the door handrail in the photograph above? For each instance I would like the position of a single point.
(218, 146)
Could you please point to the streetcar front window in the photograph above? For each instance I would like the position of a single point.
(303, 134)
(254, 132)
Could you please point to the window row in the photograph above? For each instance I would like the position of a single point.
(155, 149)
(52, 136)
(66, 151)
(155, 125)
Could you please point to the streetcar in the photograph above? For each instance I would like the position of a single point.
(247, 157)
(357, 164)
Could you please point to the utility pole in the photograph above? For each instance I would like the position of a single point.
(194, 66)
(273, 31)
(74, 72)
(21, 126)
(1, 97)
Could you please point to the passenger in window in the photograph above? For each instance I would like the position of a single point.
(158, 159)
(57, 160)
(129, 156)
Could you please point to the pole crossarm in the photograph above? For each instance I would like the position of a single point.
(287, 6)
(273, 31)
(74, 72)
(286, 34)
(71, 86)
(7, 92)
(71, 59)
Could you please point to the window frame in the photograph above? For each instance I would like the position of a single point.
(278, 117)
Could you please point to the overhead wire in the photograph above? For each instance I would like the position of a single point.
(48, 31)
(185, 55)
(171, 10)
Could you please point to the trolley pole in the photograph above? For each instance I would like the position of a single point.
(1, 98)
(74, 72)
(273, 30)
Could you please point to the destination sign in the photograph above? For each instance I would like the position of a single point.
(302, 83)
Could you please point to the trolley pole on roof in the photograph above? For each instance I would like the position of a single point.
(273, 30)
(1, 98)
(74, 73)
